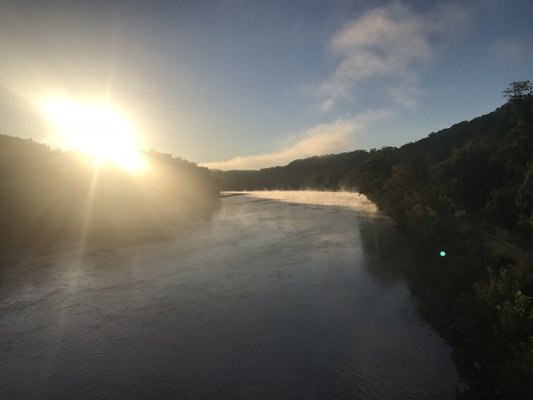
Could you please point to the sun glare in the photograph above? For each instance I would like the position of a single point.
(98, 129)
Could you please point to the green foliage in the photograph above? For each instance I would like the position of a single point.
(501, 208)
(506, 352)
(524, 197)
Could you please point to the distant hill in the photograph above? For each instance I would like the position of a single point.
(47, 195)
(323, 172)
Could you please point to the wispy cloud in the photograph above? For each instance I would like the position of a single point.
(336, 136)
(386, 48)
(391, 43)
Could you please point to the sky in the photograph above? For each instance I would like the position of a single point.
(235, 84)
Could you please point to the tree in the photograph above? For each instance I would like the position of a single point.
(518, 90)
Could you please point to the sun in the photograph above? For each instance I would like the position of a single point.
(97, 128)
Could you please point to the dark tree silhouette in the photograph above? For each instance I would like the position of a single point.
(518, 90)
(49, 195)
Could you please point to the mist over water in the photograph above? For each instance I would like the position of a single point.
(354, 201)
(292, 299)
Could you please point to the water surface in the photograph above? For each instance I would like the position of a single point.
(268, 300)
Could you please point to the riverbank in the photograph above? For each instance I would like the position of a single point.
(477, 298)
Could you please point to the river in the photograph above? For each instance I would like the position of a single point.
(277, 296)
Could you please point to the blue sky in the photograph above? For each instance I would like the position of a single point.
(250, 84)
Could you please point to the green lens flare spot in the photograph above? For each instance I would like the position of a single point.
(442, 253)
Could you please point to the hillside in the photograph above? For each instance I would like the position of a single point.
(47, 195)
(319, 172)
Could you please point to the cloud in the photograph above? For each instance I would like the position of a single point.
(390, 43)
(326, 138)
(381, 52)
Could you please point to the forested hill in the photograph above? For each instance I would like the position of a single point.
(319, 172)
(482, 167)
(47, 195)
